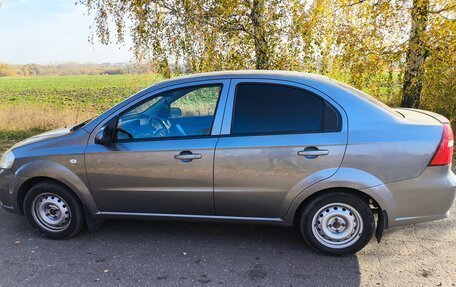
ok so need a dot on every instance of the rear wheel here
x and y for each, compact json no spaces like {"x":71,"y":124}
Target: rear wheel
{"x":53,"y":210}
{"x":337,"y":223}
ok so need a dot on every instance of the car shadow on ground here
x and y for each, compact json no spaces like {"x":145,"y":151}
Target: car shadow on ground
{"x":169,"y":254}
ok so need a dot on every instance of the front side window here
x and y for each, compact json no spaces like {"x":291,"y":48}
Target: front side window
{"x":272,"y":109}
{"x":177,"y":113}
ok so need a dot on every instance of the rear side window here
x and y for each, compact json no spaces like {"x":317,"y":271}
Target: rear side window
{"x":274,"y":109}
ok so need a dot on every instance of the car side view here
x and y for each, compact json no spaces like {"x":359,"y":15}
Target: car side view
{"x":283,"y":148}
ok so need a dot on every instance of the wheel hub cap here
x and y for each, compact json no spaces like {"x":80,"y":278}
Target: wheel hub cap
{"x":337,"y":225}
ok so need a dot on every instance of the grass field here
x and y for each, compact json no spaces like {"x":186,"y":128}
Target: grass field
{"x":44,"y":103}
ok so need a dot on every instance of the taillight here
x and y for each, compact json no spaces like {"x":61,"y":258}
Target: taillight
{"x":444,"y":154}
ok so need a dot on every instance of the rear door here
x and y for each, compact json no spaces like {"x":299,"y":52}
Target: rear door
{"x":278,"y":138}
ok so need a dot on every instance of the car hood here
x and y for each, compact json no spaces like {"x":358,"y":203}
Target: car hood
{"x":44,"y":136}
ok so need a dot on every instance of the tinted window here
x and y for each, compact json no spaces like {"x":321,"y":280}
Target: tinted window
{"x":332,"y":121}
{"x":177,"y":113}
{"x":267,"y":108}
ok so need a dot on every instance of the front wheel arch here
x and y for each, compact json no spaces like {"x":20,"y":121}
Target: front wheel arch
{"x":54,"y":210}
{"x":29,"y":183}
{"x":38,"y":170}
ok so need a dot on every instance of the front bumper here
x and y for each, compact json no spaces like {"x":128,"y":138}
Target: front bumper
{"x":424,"y":198}
{"x":6,"y":200}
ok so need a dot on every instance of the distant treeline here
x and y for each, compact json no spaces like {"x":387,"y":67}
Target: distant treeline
{"x":65,"y":69}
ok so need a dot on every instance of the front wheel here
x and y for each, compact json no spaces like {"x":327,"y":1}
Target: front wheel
{"x":53,"y":210}
{"x":337,"y":223}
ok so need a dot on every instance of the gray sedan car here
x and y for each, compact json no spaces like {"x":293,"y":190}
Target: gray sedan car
{"x":282,"y":148}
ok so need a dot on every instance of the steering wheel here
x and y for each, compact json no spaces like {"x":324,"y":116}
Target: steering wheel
{"x":163,"y":130}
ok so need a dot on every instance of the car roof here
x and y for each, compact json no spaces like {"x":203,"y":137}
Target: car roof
{"x":245,"y":74}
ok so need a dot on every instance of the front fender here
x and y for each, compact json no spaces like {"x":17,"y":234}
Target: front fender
{"x":56,"y":171}
{"x":344,"y":178}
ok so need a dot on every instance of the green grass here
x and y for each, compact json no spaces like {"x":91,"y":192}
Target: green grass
{"x":81,"y":92}
{"x":34,"y":104}
{"x":47,"y":102}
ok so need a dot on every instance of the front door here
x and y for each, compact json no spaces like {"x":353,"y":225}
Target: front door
{"x":163,"y":155}
{"x":277,"y":139}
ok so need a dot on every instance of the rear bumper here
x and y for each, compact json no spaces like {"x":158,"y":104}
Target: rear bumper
{"x":424,"y":198}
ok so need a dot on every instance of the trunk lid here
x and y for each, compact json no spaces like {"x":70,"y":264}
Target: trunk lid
{"x":422,"y":116}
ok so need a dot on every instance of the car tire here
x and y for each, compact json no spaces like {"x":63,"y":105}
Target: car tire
{"x":53,"y":210}
{"x":337,"y":223}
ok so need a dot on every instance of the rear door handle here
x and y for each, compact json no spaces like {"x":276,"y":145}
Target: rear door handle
{"x":187,"y":156}
{"x":313,"y":153}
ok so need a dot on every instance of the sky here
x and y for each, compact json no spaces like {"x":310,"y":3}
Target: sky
{"x":51,"y":32}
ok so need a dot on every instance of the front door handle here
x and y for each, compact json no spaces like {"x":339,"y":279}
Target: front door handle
{"x":187,"y":156}
{"x":313,"y":152}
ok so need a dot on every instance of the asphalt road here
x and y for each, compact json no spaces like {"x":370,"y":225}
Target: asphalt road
{"x":148,"y":253}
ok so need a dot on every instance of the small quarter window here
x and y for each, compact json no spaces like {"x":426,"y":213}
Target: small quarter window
{"x":331,"y":119}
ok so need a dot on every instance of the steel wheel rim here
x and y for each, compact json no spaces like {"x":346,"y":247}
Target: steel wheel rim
{"x":51,"y":212}
{"x":337,"y":225}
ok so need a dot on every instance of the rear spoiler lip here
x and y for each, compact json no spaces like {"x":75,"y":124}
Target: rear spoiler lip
{"x":440,"y":118}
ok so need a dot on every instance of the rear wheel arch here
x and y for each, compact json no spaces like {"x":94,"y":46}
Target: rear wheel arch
{"x":337,"y":223}
{"x":355,"y":192}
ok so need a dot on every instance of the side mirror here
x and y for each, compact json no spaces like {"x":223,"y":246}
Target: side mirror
{"x":104,"y":136}
{"x":175,"y":113}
